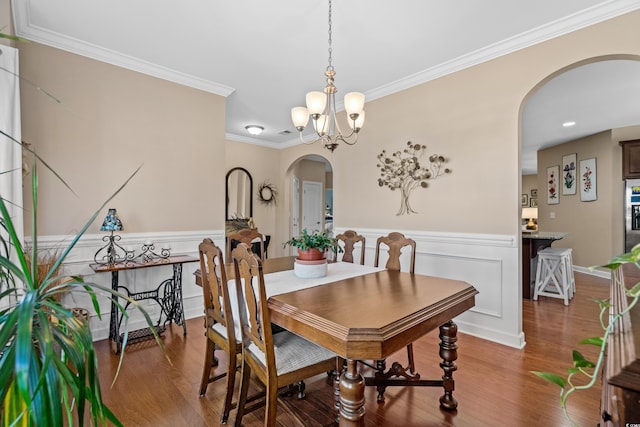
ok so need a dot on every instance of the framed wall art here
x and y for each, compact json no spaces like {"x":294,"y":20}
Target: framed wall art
{"x":533,"y":202}
{"x":525,"y":200}
{"x":552,"y":185}
{"x":569,"y":167}
{"x":588,"y":180}
{"x":534,"y":192}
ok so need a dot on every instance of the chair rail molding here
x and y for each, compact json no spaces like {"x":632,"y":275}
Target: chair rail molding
{"x":79,"y":259}
{"x":489,"y":262}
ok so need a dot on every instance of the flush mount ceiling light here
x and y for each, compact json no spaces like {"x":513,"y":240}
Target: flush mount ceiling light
{"x":321,"y":106}
{"x":568,"y":124}
{"x":254,"y":129}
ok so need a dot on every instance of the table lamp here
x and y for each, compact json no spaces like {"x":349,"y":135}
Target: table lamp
{"x":114,"y":253}
{"x":530,"y":214}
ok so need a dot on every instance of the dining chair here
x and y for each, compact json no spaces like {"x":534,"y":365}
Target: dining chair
{"x":275,"y":360}
{"x":248,"y":236}
{"x":219,"y":326}
{"x":394,"y":242}
{"x":349,"y":239}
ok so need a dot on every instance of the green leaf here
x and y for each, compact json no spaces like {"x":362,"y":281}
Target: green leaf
{"x":552,"y":378}
{"x":579,"y":360}
{"x":597,"y":341}
{"x":634,"y":291}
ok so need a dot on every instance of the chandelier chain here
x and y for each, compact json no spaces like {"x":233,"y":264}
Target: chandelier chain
{"x":330,"y":66}
{"x":321,"y":108}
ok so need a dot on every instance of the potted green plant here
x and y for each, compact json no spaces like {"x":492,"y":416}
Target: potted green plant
{"x":313,"y":246}
{"x":48,"y":362}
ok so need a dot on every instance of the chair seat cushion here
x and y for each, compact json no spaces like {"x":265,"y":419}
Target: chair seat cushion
{"x":293,"y":352}
{"x":220,"y":328}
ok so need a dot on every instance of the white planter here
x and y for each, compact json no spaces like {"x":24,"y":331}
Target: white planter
{"x":310,"y":269}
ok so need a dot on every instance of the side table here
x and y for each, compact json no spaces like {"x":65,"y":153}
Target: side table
{"x":168,"y":296}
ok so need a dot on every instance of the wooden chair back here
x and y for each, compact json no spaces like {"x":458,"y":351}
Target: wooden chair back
{"x":219,"y":324}
{"x":248,"y":236}
{"x":214,"y":287}
{"x":395,"y":242}
{"x":349,"y":238}
{"x":297,"y":358}
{"x":252,"y":302}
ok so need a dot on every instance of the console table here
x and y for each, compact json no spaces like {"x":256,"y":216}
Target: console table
{"x":168,"y":296}
{"x":532,"y":242}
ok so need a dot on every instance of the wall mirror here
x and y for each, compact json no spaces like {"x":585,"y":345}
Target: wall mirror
{"x":239,"y":194}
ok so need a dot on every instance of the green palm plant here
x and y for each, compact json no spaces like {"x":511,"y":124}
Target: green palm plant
{"x":48,"y":362}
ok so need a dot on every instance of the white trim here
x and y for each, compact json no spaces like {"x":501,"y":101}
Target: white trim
{"x":601,"y":12}
{"x":582,"y":19}
{"x":489,"y":262}
{"x":25,"y":29}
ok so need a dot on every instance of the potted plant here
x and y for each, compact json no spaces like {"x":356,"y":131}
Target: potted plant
{"x":313,"y":246}
{"x":585,"y":373}
{"x":48,"y":362}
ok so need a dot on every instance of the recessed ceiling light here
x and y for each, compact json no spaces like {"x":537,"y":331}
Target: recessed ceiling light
{"x":254,"y":129}
{"x":568,"y":124}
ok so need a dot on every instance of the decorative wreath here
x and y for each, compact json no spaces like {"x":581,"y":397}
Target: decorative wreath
{"x":267,"y":193}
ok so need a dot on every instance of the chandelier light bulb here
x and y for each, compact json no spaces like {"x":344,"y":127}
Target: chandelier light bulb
{"x":354,"y":103}
{"x":316,"y":102}
{"x":359,"y":122}
{"x":300,"y":117}
{"x":321,"y":125}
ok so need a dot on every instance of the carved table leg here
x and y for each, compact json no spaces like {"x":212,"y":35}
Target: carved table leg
{"x":351,"y":396}
{"x":381,"y":366}
{"x":449,"y":354}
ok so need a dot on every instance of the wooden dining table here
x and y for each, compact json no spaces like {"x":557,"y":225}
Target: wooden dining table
{"x":370,"y":316}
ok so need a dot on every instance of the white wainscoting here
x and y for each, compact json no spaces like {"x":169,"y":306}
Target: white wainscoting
{"x":78,"y":261}
{"x":488,"y":262}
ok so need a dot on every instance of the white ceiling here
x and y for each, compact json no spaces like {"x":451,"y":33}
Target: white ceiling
{"x":265,"y":56}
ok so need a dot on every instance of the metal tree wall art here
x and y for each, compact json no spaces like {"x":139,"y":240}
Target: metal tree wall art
{"x":404,"y":171}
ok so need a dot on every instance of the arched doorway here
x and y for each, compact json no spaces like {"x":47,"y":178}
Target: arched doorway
{"x":310,"y":187}
{"x":599,"y":94}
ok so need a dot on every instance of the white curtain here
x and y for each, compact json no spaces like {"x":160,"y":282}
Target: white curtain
{"x":10,"y":151}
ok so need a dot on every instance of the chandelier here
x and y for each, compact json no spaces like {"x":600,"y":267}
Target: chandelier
{"x":321,"y":106}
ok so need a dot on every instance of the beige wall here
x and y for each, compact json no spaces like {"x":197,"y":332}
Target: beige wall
{"x":264,"y":165}
{"x":589,"y":224}
{"x":472,"y":118}
{"x":113,"y":120}
{"x":595,"y":228}
{"x":529,"y":182}
{"x":109,"y":122}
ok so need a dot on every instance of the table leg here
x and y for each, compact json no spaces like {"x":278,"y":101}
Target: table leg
{"x":114,"y":322}
{"x":179,"y":307}
{"x":449,"y":354}
{"x":351,"y":396}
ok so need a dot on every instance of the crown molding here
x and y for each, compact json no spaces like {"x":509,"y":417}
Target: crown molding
{"x":582,"y":19}
{"x":25,"y":29}
{"x":601,"y":12}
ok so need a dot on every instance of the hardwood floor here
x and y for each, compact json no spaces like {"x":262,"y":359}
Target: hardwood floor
{"x":494,"y":386}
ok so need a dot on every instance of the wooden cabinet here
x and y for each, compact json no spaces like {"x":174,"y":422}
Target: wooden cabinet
{"x":630,"y":158}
